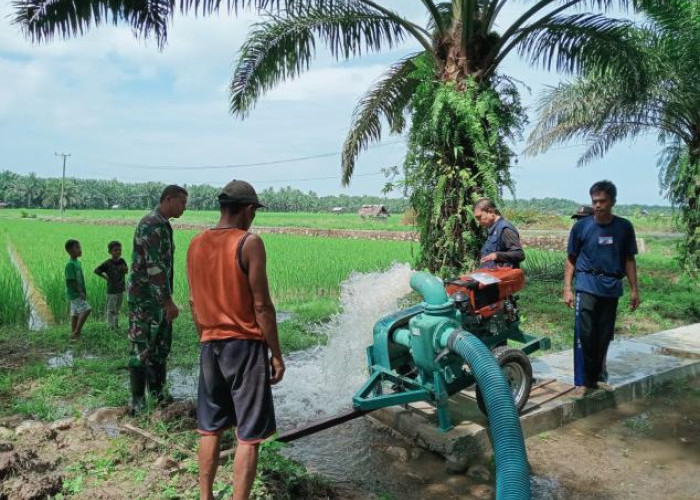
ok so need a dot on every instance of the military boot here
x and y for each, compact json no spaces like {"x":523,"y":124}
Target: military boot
{"x":137,"y":381}
{"x":159,"y":388}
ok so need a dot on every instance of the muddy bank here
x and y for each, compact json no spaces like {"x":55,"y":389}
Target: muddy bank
{"x":104,"y":455}
{"x":553,"y":240}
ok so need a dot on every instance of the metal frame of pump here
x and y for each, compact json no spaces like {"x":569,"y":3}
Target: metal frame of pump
{"x":409,"y":360}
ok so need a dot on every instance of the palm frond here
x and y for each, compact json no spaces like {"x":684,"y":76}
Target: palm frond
{"x":609,"y":135}
{"x":568,"y":111}
{"x":282,"y":47}
{"x":42,"y":20}
{"x":388,"y":99}
{"x":574,"y":42}
{"x":444,"y":15}
{"x":437,"y":18}
{"x":602,"y":111}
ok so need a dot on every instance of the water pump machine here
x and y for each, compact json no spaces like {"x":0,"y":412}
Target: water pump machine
{"x":460,"y":335}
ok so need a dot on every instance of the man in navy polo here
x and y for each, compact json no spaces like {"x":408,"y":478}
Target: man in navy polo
{"x":601,"y":252}
{"x":502,"y":247}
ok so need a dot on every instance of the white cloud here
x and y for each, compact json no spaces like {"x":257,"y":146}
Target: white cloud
{"x":329,"y":83}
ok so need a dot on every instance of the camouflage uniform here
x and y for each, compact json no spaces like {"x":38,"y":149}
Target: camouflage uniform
{"x":150,"y":284}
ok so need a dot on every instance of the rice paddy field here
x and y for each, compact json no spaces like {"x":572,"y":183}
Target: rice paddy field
{"x":302,"y":270}
{"x":13,"y":307}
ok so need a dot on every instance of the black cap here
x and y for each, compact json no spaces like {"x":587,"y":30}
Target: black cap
{"x":239,"y":193}
{"x":583,"y":211}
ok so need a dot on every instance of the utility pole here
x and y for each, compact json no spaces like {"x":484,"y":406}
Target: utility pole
{"x":63,"y":179}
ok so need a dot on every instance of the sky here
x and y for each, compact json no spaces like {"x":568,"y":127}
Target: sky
{"x":126,"y":110}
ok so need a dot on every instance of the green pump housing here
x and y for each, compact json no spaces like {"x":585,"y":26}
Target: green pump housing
{"x":412,"y":360}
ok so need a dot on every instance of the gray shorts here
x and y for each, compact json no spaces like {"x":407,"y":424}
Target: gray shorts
{"x":234,"y":390}
{"x":78,"y":306}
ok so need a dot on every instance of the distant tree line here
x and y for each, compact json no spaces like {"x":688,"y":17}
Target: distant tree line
{"x":561,"y":206}
{"x":30,"y":191}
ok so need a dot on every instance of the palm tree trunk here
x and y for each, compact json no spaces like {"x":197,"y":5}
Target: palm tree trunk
{"x":692,"y":213}
{"x":458,"y":156}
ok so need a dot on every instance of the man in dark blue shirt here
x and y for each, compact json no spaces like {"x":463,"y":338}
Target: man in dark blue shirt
{"x":600,"y":253}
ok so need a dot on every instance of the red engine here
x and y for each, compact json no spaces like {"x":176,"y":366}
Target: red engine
{"x":486,"y":289}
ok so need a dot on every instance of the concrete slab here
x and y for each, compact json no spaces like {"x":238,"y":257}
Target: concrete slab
{"x":635,"y":367}
{"x":683,"y":341}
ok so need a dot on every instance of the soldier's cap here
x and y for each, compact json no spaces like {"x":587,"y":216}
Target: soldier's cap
{"x":239,"y":193}
{"x":583,"y":211}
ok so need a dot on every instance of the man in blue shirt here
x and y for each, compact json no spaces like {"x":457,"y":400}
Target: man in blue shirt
{"x":600,"y":253}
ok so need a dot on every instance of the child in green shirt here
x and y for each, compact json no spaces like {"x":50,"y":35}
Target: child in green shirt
{"x":75,"y":289}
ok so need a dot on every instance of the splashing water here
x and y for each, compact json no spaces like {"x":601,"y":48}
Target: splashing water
{"x":322,"y":381}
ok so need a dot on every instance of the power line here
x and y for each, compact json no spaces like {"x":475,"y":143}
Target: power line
{"x":314,"y":178}
{"x":239,"y":165}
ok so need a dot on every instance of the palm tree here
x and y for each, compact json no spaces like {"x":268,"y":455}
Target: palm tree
{"x":605,"y":107}
{"x":463,"y":112}
{"x":27,"y":191}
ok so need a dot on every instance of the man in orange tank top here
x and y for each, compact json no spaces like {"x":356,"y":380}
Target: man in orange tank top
{"x":235,"y":319}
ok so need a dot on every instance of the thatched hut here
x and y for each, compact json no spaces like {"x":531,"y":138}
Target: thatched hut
{"x":373,"y":211}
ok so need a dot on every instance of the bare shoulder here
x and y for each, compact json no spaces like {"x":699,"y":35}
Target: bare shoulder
{"x":254,"y":245}
{"x":254,"y":240}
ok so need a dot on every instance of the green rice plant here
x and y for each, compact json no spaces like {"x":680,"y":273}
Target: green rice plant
{"x":544,"y":265}
{"x":13,"y":306}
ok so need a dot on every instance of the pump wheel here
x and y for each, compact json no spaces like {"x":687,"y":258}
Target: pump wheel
{"x":518,"y":372}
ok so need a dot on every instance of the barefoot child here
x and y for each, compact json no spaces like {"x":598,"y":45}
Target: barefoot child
{"x":114,"y":271}
{"x":75,"y":289}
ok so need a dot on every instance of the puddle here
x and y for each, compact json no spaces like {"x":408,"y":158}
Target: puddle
{"x":283,"y":316}
{"x":546,"y":488}
{"x":65,"y":359}
{"x":60,"y":361}
{"x":627,"y":361}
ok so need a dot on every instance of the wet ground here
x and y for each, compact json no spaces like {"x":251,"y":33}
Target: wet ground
{"x":647,"y":450}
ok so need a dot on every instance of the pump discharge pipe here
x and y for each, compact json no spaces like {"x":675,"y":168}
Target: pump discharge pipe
{"x":512,"y":469}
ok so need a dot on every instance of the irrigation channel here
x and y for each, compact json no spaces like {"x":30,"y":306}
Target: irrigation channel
{"x":321,"y":382}
{"x":39,"y":314}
